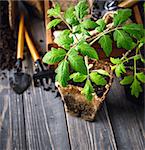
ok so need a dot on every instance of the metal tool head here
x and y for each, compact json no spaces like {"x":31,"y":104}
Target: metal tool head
{"x":41,"y":79}
{"x":20,"y":82}
{"x":111,"y":5}
{"x":41,"y":76}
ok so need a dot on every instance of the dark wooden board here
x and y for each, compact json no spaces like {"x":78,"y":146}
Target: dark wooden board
{"x":126,"y":119}
{"x":44,"y":114}
{"x":36,"y":120}
{"x":12,"y":128}
{"x":45,"y":120}
{"x":95,"y":135}
{"x":4,"y":112}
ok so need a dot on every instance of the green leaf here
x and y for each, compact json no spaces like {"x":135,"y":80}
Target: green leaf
{"x":135,"y":30}
{"x":81,"y":9}
{"x":53,"y":56}
{"x":127,"y":80}
{"x":77,"y":63}
{"x":121,"y":16}
{"x":54,"y":11}
{"x":120,"y":69}
{"x":101,"y":24}
{"x":73,"y":52}
{"x":86,"y":49}
{"x":106,"y":44}
{"x":115,"y":60}
{"x":142,"y":40}
{"x":64,"y":40}
{"x":70,"y":16}
{"x":53,"y":23}
{"x":88,"y":90}
{"x":88,"y":24}
{"x":84,"y":31}
{"x":77,"y":29}
{"x":63,"y":73}
{"x":113,"y":67}
{"x":78,"y":77}
{"x":102,"y":72}
{"x":123,"y":40}
{"x":98,"y":79}
{"x":141,"y":77}
{"x":136,"y":88}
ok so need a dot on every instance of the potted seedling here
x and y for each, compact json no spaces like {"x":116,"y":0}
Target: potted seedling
{"x":84,"y":80}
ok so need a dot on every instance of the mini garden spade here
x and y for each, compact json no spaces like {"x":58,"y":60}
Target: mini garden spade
{"x":41,"y":75}
{"x":20,"y":81}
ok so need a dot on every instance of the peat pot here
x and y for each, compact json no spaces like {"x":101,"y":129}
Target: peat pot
{"x":76,"y":103}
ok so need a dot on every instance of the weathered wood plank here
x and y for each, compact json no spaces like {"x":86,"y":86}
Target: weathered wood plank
{"x":45,"y":120}
{"x":91,"y":136}
{"x":12,"y":129}
{"x":44,"y":114}
{"x":126,"y":118}
{"x":4,"y":111}
{"x":37,"y":31}
{"x":17,"y":121}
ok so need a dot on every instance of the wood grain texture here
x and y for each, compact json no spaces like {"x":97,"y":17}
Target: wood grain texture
{"x":4,"y":112}
{"x":45,"y":122}
{"x":12,"y":128}
{"x":126,"y":119}
{"x":97,"y":135}
{"x":45,"y":119}
{"x":36,"y":120}
{"x":36,"y":30}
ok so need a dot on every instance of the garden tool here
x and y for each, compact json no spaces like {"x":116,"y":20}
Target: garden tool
{"x":41,"y":75}
{"x":20,"y":80}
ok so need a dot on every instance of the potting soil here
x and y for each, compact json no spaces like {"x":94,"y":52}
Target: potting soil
{"x":7,"y":40}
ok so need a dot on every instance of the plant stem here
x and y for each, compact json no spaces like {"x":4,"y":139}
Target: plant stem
{"x":65,"y":22}
{"x":134,"y":68}
{"x":126,"y":54}
{"x":70,"y":50}
{"x":137,"y":50}
{"x":103,"y":33}
{"x":87,"y":66}
{"x":130,"y":58}
{"x":67,"y":26}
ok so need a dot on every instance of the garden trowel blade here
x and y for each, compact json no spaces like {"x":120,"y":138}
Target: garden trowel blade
{"x":20,"y":82}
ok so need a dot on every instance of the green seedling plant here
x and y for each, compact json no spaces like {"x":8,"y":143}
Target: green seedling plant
{"x":75,"y":48}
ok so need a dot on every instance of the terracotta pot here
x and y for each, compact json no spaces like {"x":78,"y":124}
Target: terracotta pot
{"x":76,"y":103}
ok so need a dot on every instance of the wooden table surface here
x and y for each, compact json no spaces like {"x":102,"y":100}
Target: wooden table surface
{"x":37,"y":119}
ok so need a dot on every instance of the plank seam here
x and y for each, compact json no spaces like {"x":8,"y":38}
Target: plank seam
{"x":110,"y":124}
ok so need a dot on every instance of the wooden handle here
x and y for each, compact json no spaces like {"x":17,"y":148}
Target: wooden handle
{"x":49,"y":39}
{"x":31,"y":47}
{"x":20,"y":44}
{"x":137,"y":15}
{"x":127,"y":3}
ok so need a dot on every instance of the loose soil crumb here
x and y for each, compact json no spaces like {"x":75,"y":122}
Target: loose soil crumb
{"x":7,"y":40}
{"x":3,"y":75}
